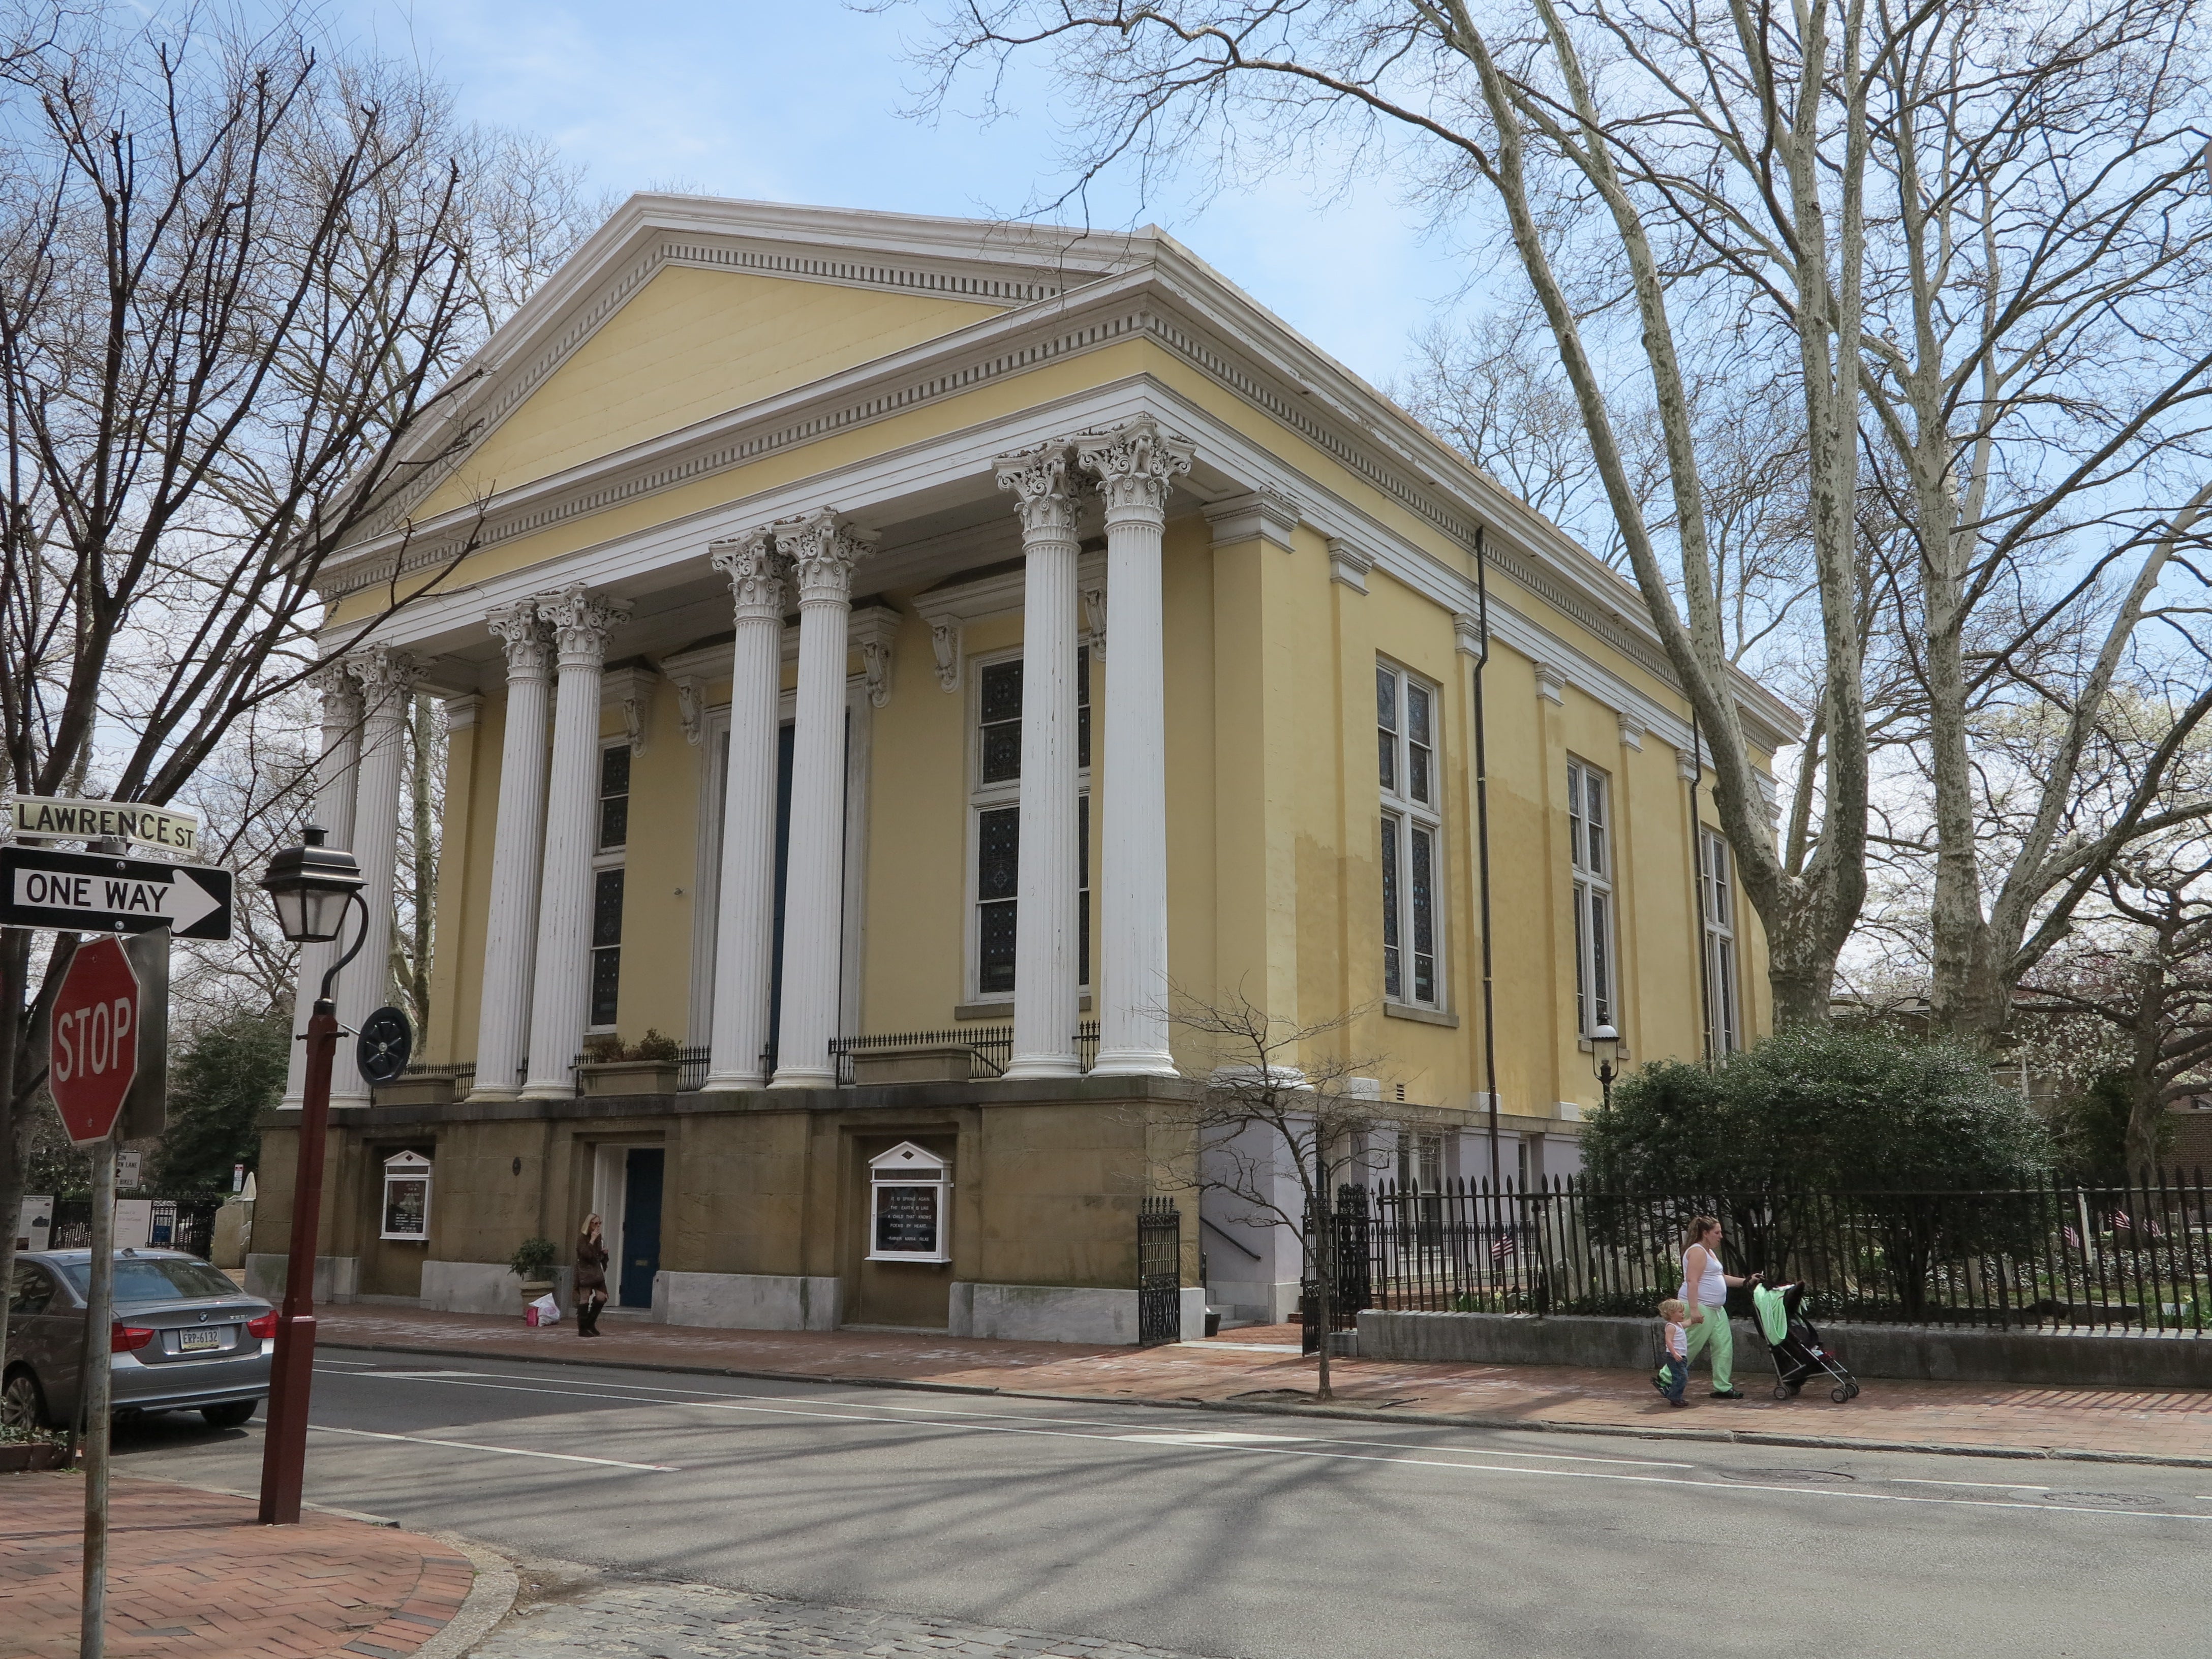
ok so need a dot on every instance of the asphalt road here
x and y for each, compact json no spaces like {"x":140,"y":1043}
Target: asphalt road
{"x":1252,"y":1536}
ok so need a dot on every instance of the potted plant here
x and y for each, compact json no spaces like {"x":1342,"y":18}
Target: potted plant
{"x":24,"y":1447}
{"x":532,"y":1263}
{"x":647,"y":1066}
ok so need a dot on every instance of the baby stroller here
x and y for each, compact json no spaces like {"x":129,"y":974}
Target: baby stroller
{"x":1796,"y":1345}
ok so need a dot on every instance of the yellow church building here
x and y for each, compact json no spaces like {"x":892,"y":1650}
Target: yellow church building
{"x":898,"y":659}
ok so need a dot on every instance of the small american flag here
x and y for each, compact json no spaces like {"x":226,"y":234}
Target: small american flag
{"x":2120,"y":1222}
{"x":2073,"y":1238}
{"x":1501,"y":1246}
{"x":2153,"y":1229}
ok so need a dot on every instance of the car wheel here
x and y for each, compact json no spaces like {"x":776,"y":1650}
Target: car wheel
{"x":231,"y":1414}
{"x":22,"y":1403}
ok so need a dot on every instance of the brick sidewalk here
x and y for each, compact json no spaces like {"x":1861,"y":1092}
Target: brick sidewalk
{"x":190,"y":1573}
{"x":1239,"y":1368}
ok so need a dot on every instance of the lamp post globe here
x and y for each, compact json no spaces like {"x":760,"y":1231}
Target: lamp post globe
{"x":1605,"y":1043}
{"x":311,"y":885}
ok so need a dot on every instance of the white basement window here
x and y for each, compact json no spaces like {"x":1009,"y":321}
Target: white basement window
{"x":909,"y":1217}
{"x":407,"y":1197}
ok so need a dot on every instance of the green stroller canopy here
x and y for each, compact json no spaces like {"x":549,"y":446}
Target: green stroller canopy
{"x":1773,"y":1316}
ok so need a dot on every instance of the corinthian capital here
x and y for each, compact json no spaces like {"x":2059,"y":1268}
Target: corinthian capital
{"x":823,"y":552}
{"x":1046,"y":488}
{"x":755,"y":573}
{"x":581,"y":620}
{"x":1135,"y":465}
{"x":521,"y":632}
{"x":341,"y":692}
{"x":387,"y":677}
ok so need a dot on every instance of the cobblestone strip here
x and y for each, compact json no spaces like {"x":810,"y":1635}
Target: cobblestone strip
{"x":695,"y":1621}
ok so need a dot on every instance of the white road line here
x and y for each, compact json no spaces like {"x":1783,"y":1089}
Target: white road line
{"x":1360,"y":1457}
{"x":510,"y":1451}
{"x":690,"y":1396}
{"x":1995,"y":1486}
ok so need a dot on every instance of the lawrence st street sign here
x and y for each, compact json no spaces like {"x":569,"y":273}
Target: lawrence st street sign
{"x":161,"y":827}
{"x":99,"y":893}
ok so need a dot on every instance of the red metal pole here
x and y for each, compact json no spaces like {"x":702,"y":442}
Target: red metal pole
{"x":284,"y":1447}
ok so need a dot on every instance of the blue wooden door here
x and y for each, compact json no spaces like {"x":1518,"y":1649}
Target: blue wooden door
{"x":641,"y":1239}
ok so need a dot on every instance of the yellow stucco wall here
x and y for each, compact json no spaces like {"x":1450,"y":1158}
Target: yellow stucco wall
{"x":1272,"y":873}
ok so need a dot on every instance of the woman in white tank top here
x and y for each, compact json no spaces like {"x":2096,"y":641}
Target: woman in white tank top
{"x":1705,"y":1289}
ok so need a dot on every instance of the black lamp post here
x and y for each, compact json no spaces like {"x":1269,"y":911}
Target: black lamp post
{"x":1605,"y":1043}
{"x":313,"y":886}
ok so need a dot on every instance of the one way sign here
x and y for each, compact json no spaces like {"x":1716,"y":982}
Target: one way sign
{"x":98,"y":893}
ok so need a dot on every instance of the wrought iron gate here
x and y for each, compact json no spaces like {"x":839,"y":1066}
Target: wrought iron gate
{"x":1348,"y":1227}
{"x":1159,"y":1272}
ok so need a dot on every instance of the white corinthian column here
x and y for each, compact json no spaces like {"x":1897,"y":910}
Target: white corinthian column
{"x":336,"y":773}
{"x":823,"y":553}
{"x":580,"y":622}
{"x":745,"y":925}
{"x":1135,"y":466}
{"x":1045,"y":922}
{"x":517,"y":845}
{"x":387,"y":679}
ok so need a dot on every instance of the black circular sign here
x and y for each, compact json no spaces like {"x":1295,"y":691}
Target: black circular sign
{"x":386,"y":1040}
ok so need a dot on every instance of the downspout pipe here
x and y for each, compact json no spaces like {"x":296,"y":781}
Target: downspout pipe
{"x":1482,"y":848}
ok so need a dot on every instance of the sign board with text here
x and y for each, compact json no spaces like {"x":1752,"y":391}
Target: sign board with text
{"x":101,"y":893}
{"x":164,"y":827}
{"x":92,"y":1052}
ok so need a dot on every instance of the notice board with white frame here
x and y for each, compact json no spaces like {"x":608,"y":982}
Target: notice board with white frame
{"x":909,"y":1206}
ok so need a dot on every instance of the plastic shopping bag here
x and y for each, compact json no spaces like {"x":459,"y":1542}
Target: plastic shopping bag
{"x":544,"y":1311}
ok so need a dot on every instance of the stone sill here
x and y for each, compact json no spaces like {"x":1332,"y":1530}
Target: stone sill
{"x":1425,"y":1016}
{"x":1003,"y":1008}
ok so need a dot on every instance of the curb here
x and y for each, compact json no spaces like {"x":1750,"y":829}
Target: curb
{"x":1350,"y":1414}
{"x":490,"y":1598}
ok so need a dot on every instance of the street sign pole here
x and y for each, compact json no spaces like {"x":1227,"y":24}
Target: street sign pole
{"x":98,"y":1322}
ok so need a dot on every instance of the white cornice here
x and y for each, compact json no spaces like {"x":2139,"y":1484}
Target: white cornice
{"x":1161,"y":293}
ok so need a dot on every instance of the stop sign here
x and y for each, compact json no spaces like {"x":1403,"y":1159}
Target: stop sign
{"x":93,"y":1053}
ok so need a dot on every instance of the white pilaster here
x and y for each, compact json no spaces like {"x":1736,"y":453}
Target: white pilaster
{"x":1135,"y":466}
{"x":336,"y":770}
{"x":580,"y":622}
{"x":745,"y":926}
{"x":518,"y":849}
{"x":388,"y":678}
{"x":1045,"y":922}
{"x":821,"y":553}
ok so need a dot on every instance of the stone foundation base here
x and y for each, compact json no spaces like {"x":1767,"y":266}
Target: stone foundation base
{"x":1059,"y":1313}
{"x":337,"y":1277}
{"x":748,"y":1301}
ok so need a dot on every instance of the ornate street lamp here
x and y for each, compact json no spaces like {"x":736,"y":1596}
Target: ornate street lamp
{"x":313,"y":886}
{"x":1605,"y":1043}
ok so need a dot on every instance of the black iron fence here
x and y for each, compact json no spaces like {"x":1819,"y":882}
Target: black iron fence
{"x":1159,"y":1272}
{"x":2060,"y":1256}
{"x":172,"y":1224}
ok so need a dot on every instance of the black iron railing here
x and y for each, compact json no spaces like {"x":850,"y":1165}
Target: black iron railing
{"x":2125,"y":1257}
{"x":173,"y":1224}
{"x":464,"y":1074}
{"x":993,"y":1046}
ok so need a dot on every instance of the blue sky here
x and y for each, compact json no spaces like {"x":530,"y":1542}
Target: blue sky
{"x":799,"y":100}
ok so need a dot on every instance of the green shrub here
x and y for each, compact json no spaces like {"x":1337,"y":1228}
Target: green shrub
{"x":533,"y":1259}
{"x":1839,"y":1106}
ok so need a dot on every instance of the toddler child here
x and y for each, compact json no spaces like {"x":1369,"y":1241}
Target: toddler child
{"x":1676,"y":1313}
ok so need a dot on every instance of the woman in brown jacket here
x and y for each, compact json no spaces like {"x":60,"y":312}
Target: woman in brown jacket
{"x":591,"y":1277}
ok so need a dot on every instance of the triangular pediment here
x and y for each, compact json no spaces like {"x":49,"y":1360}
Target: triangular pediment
{"x":684,"y":308}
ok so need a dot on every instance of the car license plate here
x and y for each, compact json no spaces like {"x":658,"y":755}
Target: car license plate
{"x":194,"y":1341}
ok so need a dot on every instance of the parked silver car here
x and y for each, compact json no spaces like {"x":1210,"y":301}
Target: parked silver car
{"x":185,"y":1339}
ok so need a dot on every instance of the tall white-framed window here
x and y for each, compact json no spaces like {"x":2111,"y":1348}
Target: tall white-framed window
{"x":1716,"y":880}
{"x":1589,"y":842}
{"x":1405,"y":710}
{"x":610,"y":838}
{"x":995,"y":821}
